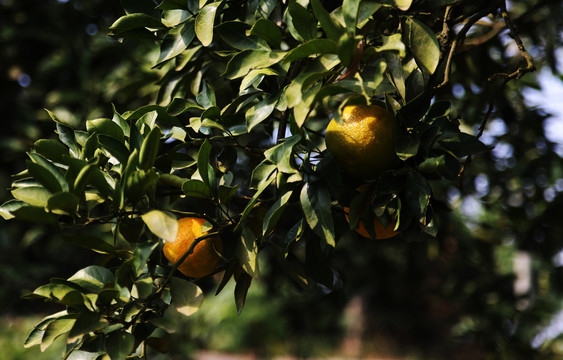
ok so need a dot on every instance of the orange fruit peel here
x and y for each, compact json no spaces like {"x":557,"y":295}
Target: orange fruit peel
{"x":364,"y":143}
{"x":205,"y":257}
{"x":381,"y":231}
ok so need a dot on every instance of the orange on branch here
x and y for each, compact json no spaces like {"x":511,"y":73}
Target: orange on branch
{"x":381,"y":231}
{"x":364,"y":143}
{"x":204,"y":259}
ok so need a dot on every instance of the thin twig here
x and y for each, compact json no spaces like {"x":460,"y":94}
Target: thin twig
{"x":482,"y":127}
{"x":521,"y":71}
{"x":460,"y":37}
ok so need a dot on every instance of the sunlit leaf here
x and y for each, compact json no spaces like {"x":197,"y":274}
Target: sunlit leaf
{"x":259,"y":112}
{"x":162,"y":224}
{"x":239,"y":35}
{"x":328,"y":24}
{"x":423,"y":44}
{"x":119,"y":344}
{"x":267,"y":30}
{"x":247,"y":60}
{"x":93,"y":278}
{"x":247,"y":252}
{"x":403,"y":5}
{"x":176,"y":41}
{"x":311,"y":47}
{"x":32,"y":195}
{"x":186,"y":296}
{"x":300,"y":22}
{"x":204,"y":23}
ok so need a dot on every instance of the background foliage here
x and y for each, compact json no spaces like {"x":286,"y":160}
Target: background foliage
{"x":200,"y":93}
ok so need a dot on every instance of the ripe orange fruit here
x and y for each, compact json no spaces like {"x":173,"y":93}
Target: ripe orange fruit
{"x":381,"y":232}
{"x":204,"y":259}
{"x":364,"y":143}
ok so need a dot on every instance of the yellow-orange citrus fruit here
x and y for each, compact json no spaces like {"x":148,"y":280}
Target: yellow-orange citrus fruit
{"x":364,"y":143}
{"x":381,"y":232}
{"x":204,"y":259}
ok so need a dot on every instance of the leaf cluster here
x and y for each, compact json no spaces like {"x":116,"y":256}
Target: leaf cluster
{"x":236,"y":137}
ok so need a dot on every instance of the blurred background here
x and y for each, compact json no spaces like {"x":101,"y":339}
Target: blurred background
{"x":490,"y":285}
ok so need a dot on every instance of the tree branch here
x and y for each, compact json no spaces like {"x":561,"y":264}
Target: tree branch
{"x":459,"y":39}
{"x":521,"y":71}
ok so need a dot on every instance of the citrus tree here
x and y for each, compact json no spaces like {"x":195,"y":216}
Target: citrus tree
{"x":230,"y":160}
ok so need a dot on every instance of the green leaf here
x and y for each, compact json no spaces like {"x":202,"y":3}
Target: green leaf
{"x":34,"y":214}
{"x":350,"y":14}
{"x":93,"y":278}
{"x":138,"y":182}
{"x":330,"y":26}
{"x":105,"y":127}
{"x":37,"y":333}
{"x":301,"y":23}
{"x":395,"y":70}
{"x":301,"y":110}
{"x":134,"y":21}
{"x":83,"y":179}
{"x":204,"y":23}
{"x":274,"y":213}
{"x":260,"y":112}
{"x":162,"y":224}
{"x":253,"y":78}
{"x":403,"y":5}
{"x":149,"y":149}
{"x":311,"y":47}
{"x":247,"y":60}
{"x":56,"y":328}
{"x":418,"y":193}
{"x":315,"y":201}
{"x":120,"y":344}
{"x":407,"y":147}
{"x":432,"y":165}
{"x":366,"y":10}
{"x":186,"y":296}
{"x":46,"y":173}
{"x":179,"y":106}
{"x":262,"y":185}
{"x":141,"y":256}
{"x":161,"y":114}
{"x":204,"y":167}
{"x":32,"y":195}
{"x":116,"y":148}
{"x":393,"y":43}
{"x":176,"y":41}
{"x":463,"y":144}
{"x":9,"y":206}
{"x":196,"y":188}
{"x":247,"y":252}
{"x":206,"y":98}
{"x":63,"y":203}
{"x":67,"y":137}
{"x":347,"y":46}
{"x":438,"y":109}
{"x":87,"y":322}
{"x":282,"y":154}
{"x":226,"y":193}
{"x":241,"y":290}
{"x":51,"y":149}
{"x":238,"y":35}
{"x":80,"y":176}
{"x":423,"y":44}
{"x":267,"y":30}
